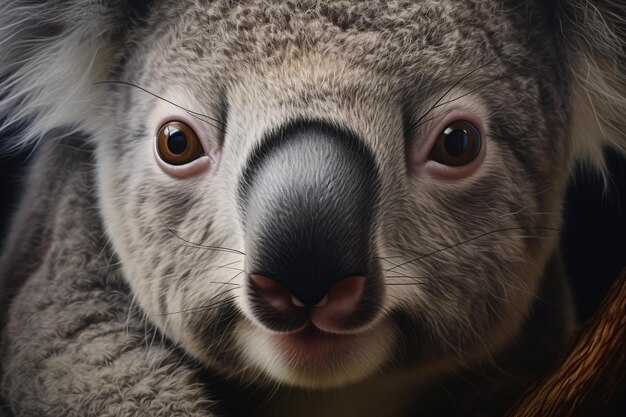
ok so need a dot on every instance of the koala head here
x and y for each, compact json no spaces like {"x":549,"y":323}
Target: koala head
{"x":318,"y":192}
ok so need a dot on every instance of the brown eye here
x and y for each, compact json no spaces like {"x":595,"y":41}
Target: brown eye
{"x":458,"y":144}
{"x":178,"y":144}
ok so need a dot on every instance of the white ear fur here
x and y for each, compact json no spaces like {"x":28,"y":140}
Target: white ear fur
{"x":51,"y":53}
{"x":595,"y":32}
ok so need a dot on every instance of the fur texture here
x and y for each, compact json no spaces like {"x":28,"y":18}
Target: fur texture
{"x":118,"y":295}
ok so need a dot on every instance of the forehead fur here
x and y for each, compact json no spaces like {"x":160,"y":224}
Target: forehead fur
{"x":407,"y":40}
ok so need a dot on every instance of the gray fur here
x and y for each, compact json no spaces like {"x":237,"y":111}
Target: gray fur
{"x":111,"y":263}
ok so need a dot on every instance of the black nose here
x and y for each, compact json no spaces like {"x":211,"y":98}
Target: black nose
{"x":308,"y":196}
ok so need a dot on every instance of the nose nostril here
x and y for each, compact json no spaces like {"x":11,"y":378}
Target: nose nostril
{"x":272,"y":293}
{"x":341,"y":310}
{"x":340,"y":304}
{"x":263,"y":283}
{"x":323,"y":302}
{"x":346,"y":294}
{"x":297,"y":302}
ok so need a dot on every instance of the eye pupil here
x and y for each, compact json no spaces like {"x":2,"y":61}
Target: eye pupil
{"x":456,"y":141}
{"x":176,"y":141}
{"x":457,"y":145}
{"x":178,"y":144}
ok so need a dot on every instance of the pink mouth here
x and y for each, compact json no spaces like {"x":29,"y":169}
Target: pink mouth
{"x":312,"y":346}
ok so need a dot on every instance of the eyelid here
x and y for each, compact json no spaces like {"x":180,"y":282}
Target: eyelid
{"x":430,"y":131}
{"x":424,"y":139}
{"x":210,"y":139}
{"x":208,"y":135}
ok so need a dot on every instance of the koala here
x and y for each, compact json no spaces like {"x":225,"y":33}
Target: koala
{"x":278,"y":208}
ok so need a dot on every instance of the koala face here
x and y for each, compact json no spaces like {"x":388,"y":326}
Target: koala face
{"x":318,"y":193}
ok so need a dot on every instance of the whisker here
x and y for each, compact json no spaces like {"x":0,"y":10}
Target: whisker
{"x":420,"y":123}
{"x":232,"y":268}
{"x":467,"y":241}
{"x":483,"y":85}
{"x":423,"y":276}
{"x":193,"y":245}
{"x":396,"y":298}
{"x":192,"y":113}
{"x":229,"y":264}
{"x":218,"y":304}
{"x":209,"y":304}
{"x":207,"y":307}
{"x":199,"y":245}
{"x":235,"y":276}
{"x":459,"y":81}
{"x":439,"y":115}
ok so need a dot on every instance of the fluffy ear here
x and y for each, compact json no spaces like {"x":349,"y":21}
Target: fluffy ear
{"x":51,"y":52}
{"x":594,"y":34}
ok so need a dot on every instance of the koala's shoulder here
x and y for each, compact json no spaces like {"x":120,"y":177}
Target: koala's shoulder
{"x":59,"y":182}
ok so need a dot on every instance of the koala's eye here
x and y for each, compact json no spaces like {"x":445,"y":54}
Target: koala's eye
{"x":178,"y":144}
{"x":458,"y":144}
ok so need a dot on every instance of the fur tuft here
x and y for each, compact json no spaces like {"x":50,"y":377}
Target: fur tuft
{"x":596,"y":36}
{"x":50,"y":55}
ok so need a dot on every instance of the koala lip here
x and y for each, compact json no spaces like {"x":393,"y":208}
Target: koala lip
{"x":312,"y":346}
